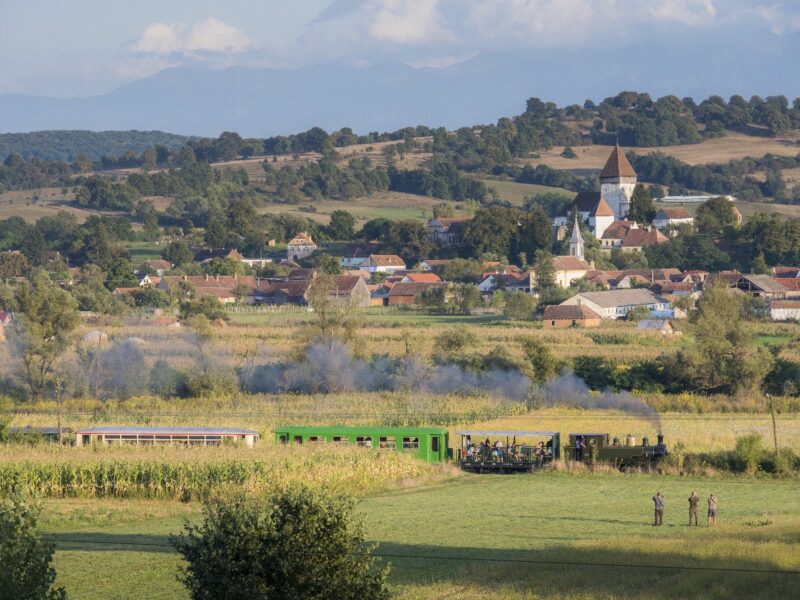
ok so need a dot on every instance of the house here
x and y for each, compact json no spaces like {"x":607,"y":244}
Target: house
{"x":228,"y":289}
{"x":157,"y":266}
{"x":637,"y":239}
{"x":663,"y":327}
{"x":379,"y":293}
{"x":569,"y":269}
{"x":421,"y":277}
{"x":511,"y":282}
{"x":667,"y":217}
{"x":560,"y":316}
{"x":300,"y":246}
{"x":786,"y":272}
{"x":284,"y":292}
{"x":149,"y":281}
{"x":792,"y":286}
{"x":446,"y":231}
{"x":433,"y":264}
{"x":673,"y":288}
{"x":615,"y":304}
{"x":784,"y":310}
{"x":383,"y":263}
{"x":409,"y":293}
{"x":350,"y":290}
{"x":615,"y":234}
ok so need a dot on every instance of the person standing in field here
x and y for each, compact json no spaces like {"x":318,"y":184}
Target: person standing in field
{"x":658,"y":500}
{"x":712,"y":509}
{"x":693,"y":500}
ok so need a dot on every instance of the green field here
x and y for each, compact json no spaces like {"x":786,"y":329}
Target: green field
{"x":530,"y":536}
{"x":516,"y":193}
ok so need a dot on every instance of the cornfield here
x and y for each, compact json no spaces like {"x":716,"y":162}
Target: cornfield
{"x":194,"y":474}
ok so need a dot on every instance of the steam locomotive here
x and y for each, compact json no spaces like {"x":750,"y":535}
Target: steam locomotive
{"x":628,"y":452}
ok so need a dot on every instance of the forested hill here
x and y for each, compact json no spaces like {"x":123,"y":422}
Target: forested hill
{"x":65,"y":145}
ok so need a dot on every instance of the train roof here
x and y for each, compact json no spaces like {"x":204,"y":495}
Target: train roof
{"x":39,"y":430}
{"x":166,"y":431}
{"x":514,"y":433}
{"x":332,"y":429}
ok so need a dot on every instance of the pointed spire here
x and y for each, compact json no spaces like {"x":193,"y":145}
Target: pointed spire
{"x":576,"y":240}
{"x":617,"y":165}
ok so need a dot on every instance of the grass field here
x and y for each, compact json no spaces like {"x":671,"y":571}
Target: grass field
{"x":516,"y":193}
{"x":487,"y":537}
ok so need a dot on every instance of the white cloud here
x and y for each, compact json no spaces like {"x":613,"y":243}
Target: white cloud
{"x":406,"y":21}
{"x":693,"y":13}
{"x":210,"y":35}
{"x":780,"y":17}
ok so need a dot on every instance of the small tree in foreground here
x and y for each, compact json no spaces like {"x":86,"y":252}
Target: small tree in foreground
{"x":25,"y":569}
{"x":297,"y":543}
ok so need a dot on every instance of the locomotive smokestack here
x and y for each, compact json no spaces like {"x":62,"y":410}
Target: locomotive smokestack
{"x":660,"y":439}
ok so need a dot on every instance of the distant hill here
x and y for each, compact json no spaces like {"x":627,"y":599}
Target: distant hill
{"x":261,"y":102}
{"x":67,"y":144}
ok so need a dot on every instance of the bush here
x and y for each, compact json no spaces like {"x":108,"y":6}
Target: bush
{"x":520,"y":306}
{"x":454,"y":340}
{"x":166,"y":381}
{"x":26,"y":572}
{"x":206,"y":384}
{"x":297,"y":543}
{"x":749,"y":452}
{"x":610,"y":338}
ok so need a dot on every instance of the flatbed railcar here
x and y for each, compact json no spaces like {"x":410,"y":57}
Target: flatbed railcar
{"x":426,"y":443}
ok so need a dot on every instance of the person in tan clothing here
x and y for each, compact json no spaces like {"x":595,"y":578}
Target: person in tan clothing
{"x":658,"y":500}
{"x":712,"y":509}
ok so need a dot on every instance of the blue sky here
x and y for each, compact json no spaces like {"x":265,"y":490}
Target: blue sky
{"x":84,"y":47}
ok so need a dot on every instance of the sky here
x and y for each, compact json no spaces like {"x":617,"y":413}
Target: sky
{"x":85,"y":47}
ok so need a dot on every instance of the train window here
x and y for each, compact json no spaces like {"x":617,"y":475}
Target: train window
{"x":434,"y":444}
{"x":365,"y":441}
{"x":283,"y":438}
{"x":387,"y":442}
{"x":340,"y":439}
{"x":410,"y":443}
{"x":298,"y":439}
{"x":319,"y":439}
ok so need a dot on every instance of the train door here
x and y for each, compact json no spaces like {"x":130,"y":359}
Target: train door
{"x":436,"y":449}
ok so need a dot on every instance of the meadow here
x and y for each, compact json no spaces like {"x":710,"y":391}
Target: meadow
{"x":557,"y":535}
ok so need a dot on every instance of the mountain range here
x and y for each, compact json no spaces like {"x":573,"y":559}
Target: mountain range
{"x":261,"y":102}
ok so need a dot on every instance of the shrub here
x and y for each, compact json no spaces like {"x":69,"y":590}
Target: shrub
{"x":454,"y":340}
{"x":610,"y":338}
{"x":296,"y":543}
{"x":748,"y":452}
{"x":166,"y":381}
{"x":26,"y":572}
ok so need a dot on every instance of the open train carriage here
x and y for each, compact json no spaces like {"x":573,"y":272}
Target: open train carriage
{"x":506,"y":451}
{"x":625,"y":452}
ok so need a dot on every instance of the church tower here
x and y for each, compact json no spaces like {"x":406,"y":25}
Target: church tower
{"x":617,"y":180}
{"x":576,"y":240}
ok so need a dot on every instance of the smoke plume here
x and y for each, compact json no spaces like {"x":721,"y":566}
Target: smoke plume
{"x":329,"y":367}
{"x":570,"y":390}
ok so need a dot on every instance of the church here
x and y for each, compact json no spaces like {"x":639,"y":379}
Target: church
{"x":599,"y":210}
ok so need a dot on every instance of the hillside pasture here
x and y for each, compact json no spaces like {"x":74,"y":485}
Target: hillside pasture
{"x":517,"y":193}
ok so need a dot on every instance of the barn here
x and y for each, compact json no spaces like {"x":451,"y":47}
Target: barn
{"x":159,"y":436}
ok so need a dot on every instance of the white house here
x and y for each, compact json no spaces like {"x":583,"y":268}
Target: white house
{"x":300,"y":246}
{"x":671,"y":216}
{"x":784,"y":310}
{"x":569,"y":269}
{"x":446,"y":231}
{"x":383,"y":263}
{"x":615,"y":304}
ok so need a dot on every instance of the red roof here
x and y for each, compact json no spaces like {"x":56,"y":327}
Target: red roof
{"x":386,"y":260}
{"x":790,"y":283}
{"x":570,"y":263}
{"x":617,"y":165}
{"x":675,"y":213}
{"x":423,"y":277}
{"x":603,"y":209}
{"x":568,"y":312}
{"x":617,"y":230}
{"x":637,"y":238}
{"x":413,"y":288}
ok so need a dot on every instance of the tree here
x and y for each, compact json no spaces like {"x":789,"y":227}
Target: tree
{"x":714,"y":215}
{"x":493,"y":230}
{"x":545,"y":272}
{"x":723,"y":357}
{"x":329,"y":265}
{"x":46,"y":316}
{"x":27,"y":572}
{"x":13,"y":264}
{"x":542,"y":364}
{"x":119,"y":273}
{"x":335,"y":318}
{"x":342,"y":225}
{"x":643,"y":209}
{"x":178,"y":253}
{"x":409,"y":239}
{"x":467,"y":297}
{"x":520,"y":306}
{"x":90,"y":291}
{"x":297,"y":543}
{"x":207,"y":306}
{"x":216,"y":234}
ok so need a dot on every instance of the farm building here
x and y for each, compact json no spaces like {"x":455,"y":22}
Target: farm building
{"x":409,"y":293}
{"x":228,"y":289}
{"x":615,"y":304}
{"x":149,"y":436}
{"x":560,"y":316}
{"x":784,"y":310}
{"x":48,"y":434}
{"x":672,"y":216}
{"x":383,"y":263}
{"x":446,"y":231}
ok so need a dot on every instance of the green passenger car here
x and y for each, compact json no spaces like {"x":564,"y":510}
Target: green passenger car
{"x":426,"y":443}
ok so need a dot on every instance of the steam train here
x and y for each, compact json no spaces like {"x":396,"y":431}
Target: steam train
{"x":589,"y":447}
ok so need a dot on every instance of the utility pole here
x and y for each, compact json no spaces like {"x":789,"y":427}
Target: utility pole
{"x":774,"y":426}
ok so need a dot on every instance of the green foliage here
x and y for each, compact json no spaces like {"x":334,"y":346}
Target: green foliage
{"x":207,"y":306}
{"x":520,"y":306}
{"x":749,"y":451}
{"x":545,"y":272}
{"x":27,"y":573}
{"x":453,"y":341}
{"x":46,"y":316}
{"x":609,"y":338}
{"x":166,"y":381}
{"x":409,"y":240}
{"x":542,"y":365}
{"x":637,"y":314}
{"x":642,"y":209}
{"x":715,"y":215}
{"x":342,"y":225}
{"x":462,"y":270}
{"x":327,"y":264}
{"x":178,"y":253}
{"x":311,"y":535}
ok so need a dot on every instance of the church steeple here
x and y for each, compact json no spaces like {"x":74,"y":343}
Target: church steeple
{"x":576,"y":240}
